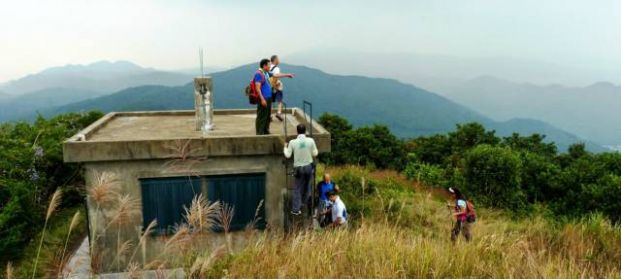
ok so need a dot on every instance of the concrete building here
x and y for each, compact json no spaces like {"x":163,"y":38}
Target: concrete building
{"x":162,"y":159}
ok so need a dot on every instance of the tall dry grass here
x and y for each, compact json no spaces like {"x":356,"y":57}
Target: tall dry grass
{"x":51,"y":208}
{"x":75,"y":220}
{"x":405,"y":233}
{"x":500,"y":249}
{"x":9,"y":271}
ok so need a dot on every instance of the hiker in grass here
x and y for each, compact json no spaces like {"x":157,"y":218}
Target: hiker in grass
{"x":264,"y":90}
{"x":304,"y":151}
{"x":339,"y":211}
{"x":459,"y":211}
{"x":323,"y":206}
{"x":277,"y":86}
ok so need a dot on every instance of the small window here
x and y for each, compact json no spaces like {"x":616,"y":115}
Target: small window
{"x":164,"y":199}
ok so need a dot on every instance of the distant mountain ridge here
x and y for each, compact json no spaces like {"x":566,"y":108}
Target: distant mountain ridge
{"x":591,"y":111}
{"x":102,"y":76}
{"x":25,"y":105}
{"x":409,"y":111}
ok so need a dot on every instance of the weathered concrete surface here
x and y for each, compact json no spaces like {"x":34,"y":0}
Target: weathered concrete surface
{"x":149,"y":135}
{"x":79,"y":265}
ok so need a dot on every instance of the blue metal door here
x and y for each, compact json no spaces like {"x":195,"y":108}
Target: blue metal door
{"x":244,"y":193}
{"x":163,"y":200}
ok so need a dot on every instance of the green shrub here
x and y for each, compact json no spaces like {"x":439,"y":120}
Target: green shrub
{"x":493,"y":176}
{"x":430,"y":175}
{"x":31,"y":169}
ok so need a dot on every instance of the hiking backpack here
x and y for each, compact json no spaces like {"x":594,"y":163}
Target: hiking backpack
{"x":273,"y":80}
{"x":471,"y":214}
{"x":251,"y":90}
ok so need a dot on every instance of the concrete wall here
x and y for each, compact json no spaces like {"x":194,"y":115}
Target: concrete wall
{"x":110,"y":236}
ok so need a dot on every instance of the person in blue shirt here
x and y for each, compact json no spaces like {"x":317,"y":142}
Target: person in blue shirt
{"x":323,"y":206}
{"x":264,"y":106}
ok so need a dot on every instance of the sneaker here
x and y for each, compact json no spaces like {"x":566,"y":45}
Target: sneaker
{"x":296,"y":212}
{"x":279,"y":116}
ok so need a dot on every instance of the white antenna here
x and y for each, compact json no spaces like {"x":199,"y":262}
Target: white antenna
{"x":200,"y":55}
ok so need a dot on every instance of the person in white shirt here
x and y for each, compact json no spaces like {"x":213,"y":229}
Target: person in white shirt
{"x":339,"y":211}
{"x":304,"y":150}
{"x":277,"y":86}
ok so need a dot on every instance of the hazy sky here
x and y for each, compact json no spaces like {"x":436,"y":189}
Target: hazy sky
{"x":36,"y":34}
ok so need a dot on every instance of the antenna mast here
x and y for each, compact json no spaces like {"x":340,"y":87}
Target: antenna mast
{"x":200,"y":55}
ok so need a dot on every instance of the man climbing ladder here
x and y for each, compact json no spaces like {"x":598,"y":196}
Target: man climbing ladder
{"x":304,"y":151}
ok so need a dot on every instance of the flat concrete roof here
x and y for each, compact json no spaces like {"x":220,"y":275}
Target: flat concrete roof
{"x":150,"y":135}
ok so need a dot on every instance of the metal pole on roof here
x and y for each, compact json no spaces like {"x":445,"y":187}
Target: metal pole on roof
{"x":200,"y":55}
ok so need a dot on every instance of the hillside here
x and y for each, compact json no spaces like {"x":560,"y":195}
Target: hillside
{"x":405,"y":234}
{"x":409,"y":111}
{"x":24,"y":105}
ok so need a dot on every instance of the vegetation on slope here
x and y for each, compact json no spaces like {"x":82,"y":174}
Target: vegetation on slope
{"x":517,"y":173}
{"x":405,"y":234}
{"x":31,"y":170}
{"x":399,"y":222}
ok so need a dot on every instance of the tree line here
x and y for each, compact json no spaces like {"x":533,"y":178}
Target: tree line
{"x":518,"y":173}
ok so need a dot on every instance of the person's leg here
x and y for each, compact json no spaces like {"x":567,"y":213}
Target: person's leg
{"x":321,"y":209}
{"x":296,"y":201}
{"x":268,"y":116}
{"x":455,"y":231}
{"x":263,"y":117}
{"x":279,"y":97}
{"x":308,"y":174}
{"x":467,"y":231}
{"x":258,"y":122}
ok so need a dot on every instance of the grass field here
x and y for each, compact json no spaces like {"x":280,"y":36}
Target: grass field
{"x":398,"y":229}
{"x":405,"y":234}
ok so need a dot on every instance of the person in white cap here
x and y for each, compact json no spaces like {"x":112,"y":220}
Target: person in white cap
{"x":463,"y":212}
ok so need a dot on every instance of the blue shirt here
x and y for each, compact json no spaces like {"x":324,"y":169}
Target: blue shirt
{"x":324,"y":188}
{"x":266,"y":89}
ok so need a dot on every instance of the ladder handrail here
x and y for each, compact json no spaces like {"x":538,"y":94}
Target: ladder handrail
{"x":310,"y":121}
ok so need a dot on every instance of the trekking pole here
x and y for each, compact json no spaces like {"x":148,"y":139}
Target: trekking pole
{"x":451,"y":216}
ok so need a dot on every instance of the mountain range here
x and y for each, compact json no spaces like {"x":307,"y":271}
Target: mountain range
{"x":408,"y":110}
{"x":501,"y":88}
{"x":103,"y":76}
{"x":590,"y":111}
{"x":62,"y":85}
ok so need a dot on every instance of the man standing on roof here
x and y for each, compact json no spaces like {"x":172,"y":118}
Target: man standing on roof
{"x":304,"y":151}
{"x":277,"y":87}
{"x":264,"y":90}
